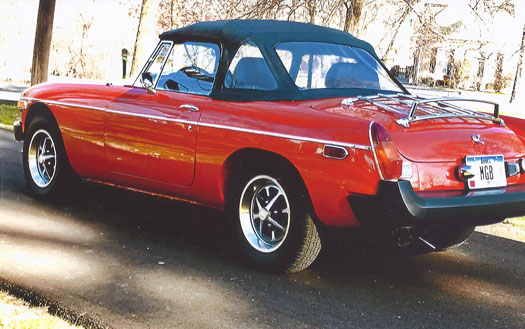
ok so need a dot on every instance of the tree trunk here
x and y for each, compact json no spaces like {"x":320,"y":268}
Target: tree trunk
{"x":312,"y":8}
{"x":176,"y":13}
{"x":42,"y":45}
{"x":415,"y":72}
{"x":146,"y":37}
{"x":518,"y":67}
{"x":353,"y":10}
{"x":498,"y":76}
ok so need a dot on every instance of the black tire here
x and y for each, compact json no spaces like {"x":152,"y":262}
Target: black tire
{"x":282,"y":238}
{"x":47,"y":171}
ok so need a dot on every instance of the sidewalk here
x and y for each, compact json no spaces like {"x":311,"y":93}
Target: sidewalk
{"x":11,"y":91}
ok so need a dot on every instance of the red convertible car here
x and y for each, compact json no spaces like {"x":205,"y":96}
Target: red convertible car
{"x":290,"y":128}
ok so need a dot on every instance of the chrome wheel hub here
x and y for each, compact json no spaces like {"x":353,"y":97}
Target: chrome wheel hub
{"x":41,"y":158}
{"x":264,"y":212}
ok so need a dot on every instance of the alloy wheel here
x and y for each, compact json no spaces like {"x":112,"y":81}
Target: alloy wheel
{"x":264,"y":212}
{"x":42,"y":158}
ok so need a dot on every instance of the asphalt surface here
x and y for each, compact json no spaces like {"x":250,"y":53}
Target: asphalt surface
{"x":134,"y":261}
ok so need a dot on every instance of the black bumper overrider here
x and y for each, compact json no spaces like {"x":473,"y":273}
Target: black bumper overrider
{"x":17,"y":130}
{"x":397,"y":202}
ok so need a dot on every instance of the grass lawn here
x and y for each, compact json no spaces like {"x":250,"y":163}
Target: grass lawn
{"x":16,"y":314}
{"x":8,"y":113}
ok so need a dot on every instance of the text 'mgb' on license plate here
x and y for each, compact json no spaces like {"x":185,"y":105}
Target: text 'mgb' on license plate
{"x":488,"y":170}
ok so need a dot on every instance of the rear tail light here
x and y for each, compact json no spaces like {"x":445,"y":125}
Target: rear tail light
{"x":386,"y":154}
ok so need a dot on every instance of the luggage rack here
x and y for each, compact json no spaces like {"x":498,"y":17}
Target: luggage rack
{"x":433,"y":107}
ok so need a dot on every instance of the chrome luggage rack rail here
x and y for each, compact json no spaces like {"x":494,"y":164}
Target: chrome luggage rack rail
{"x":435,"y":108}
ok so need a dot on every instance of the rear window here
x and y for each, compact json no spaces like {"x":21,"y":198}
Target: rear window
{"x":317,"y":65}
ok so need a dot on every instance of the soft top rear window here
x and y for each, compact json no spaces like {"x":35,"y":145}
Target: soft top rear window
{"x":318,"y":65}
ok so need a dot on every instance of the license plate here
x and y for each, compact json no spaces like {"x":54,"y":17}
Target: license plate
{"x":488,"y":170}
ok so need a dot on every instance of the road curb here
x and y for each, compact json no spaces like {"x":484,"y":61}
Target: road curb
{"x":6,"y":127}
{"x":37,"y":300}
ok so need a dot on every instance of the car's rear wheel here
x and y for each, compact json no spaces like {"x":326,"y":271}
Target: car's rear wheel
{"x":272,"y":223}
{"x":46,"y":167}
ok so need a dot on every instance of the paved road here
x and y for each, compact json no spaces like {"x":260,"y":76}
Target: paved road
{"x":135,"y":261}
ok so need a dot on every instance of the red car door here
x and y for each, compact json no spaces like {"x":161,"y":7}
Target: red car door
{"x":151,"y":133}
{"x":152,"y":137}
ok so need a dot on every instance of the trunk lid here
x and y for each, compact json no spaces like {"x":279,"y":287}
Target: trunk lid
{"x":437,"y":139}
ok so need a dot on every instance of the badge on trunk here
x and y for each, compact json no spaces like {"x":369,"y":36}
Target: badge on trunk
{"x":477,"y":139}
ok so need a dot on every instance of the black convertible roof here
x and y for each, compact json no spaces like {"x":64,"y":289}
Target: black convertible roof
{"x":235,"y":32}
{"x":231,"y":34}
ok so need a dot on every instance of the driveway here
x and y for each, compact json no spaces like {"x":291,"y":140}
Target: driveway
{"x":136,"y":261}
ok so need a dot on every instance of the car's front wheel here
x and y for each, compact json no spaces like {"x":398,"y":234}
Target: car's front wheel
{"x":272,"y":223}
{"x":45,"y":162}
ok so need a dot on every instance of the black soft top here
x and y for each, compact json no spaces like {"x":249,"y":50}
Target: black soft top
{"x":231,"y":34}
{"x":236,"y":32}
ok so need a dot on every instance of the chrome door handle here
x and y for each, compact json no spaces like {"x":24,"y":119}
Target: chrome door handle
{"x":189,"y":107}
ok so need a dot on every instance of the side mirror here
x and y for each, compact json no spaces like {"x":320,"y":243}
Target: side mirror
{"x":146,"y":79}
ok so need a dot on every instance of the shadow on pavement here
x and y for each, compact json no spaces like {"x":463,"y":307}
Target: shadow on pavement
{"x":363,"y":286}
{"x":137,"y":261}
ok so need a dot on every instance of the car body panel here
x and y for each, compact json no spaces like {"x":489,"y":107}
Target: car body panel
{"x":80,"y":113}
{"x":179,"y":145}
{"x":434,"y":140}
{"x":149,"y":136}
{"x":287,"y":128}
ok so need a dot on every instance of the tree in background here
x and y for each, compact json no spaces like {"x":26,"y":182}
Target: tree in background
{"x":42,"y":45}
{"x":518,"y":67}
{"x":498,"y":76}
{"x":352,"y":14}
{"x":145,"y":34}
{"x":486,"y":10}
{"x":355,"y":16}
{"x":401,"y":11}
{"x":428,"y":33}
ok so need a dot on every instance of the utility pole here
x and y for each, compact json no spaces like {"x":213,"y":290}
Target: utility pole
{"x":518,"y":67}
{"x":42,"y":46}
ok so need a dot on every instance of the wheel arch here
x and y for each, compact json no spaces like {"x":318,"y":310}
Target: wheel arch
{"x":41,"y":110}
{"x":38,"y":110}
{"x":246,"y":160}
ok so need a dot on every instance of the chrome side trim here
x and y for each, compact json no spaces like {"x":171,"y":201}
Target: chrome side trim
{"x":374,"y":151}
{"x":45,"y":101}
{"x":209,"y":125}
{"x":153,"y":117}
{"x":272,"y":134}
